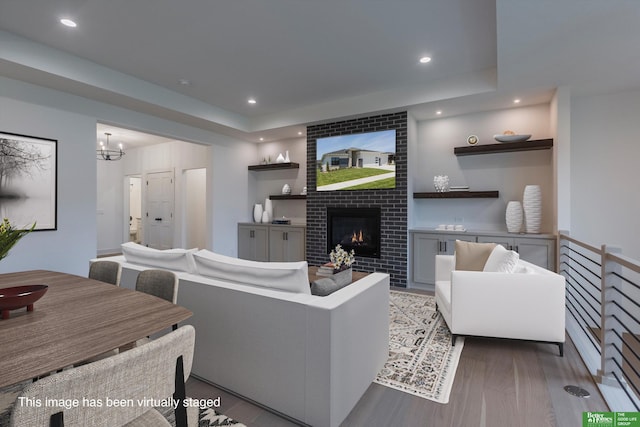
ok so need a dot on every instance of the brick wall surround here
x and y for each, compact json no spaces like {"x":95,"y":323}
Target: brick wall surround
{"x":392,"y":202}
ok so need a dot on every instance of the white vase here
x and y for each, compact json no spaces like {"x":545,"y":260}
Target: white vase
{"x":513,"y":216}
{"x":266,"y":217}
{"x":286,"y":189}
{"x":532,"y":205}
{"x":286,"y":157}
{"x":257,"y":212}
{"x":268,"y":207}
{"x":280,"y":158}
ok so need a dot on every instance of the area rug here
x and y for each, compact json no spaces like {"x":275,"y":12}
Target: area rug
{"x":206,"y":417}
{"x":421,"y":360}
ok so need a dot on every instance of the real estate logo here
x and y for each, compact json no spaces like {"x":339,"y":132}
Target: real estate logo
{"x":611,"y":419}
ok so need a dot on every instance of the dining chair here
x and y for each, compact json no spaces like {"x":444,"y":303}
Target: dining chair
{"x":106,"y":271}
{"x":160,"y":283}
{"x":81,"y":396}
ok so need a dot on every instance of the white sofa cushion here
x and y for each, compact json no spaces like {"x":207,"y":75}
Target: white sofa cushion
{"x":502,"y":260}
{"x":172,"y":259}
{"x":285,"y":276}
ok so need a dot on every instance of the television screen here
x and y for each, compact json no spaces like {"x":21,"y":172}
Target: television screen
{"x":360,"y":161}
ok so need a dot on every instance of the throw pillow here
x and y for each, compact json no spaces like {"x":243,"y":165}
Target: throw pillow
{"x":282,"y":276}
{"x":325,"y":286}
{"x":472,"y":256}
{"x":502,"y":260}
{"x":171,"y":259}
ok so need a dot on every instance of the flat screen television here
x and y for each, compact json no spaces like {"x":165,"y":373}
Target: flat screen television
{"x":362,"y":161}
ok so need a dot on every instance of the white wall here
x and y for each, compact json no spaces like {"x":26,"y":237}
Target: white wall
{"x":34,"y":110}
{"x":68,"y":248}
{"x":110,"y":205}
{"x":506,"y":172}
{"x":195,"y":208}
{"x":605,"y":206}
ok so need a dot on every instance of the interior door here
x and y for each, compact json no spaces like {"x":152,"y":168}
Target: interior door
{"x":159,"y":197}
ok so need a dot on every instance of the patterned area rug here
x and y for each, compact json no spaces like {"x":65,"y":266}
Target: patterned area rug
{"x":206,"y":417}
{"x":421,"y":359}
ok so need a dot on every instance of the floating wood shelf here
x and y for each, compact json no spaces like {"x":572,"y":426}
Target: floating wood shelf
{"x":274,"y":166}
{"x":288,"y":197}
{"x":504,"y":147}
{"x":458,"y":195}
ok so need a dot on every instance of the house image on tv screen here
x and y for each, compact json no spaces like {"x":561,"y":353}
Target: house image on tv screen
{"x":356,"y":162}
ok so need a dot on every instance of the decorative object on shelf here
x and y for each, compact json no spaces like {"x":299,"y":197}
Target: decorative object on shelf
{"x":513,"y":216}
{"x":257,"y":212}
{"x":266,"y":218}
{"x":268,"y":207}
{"x":281,"y":221}
{"x":280,"y":158}
{"x":264,"y":161}
{"x":105,"y":153}
{"x":511,"y":136}
{"x":304,"y":191}
{"x":9,"y":236}
{"x":286,"y":157}
{"x":532,"y":204}
{"x":441,"y":183}
{"x":286,"y":189}
{"x":472,"y":140}
{"x":459,"y":188}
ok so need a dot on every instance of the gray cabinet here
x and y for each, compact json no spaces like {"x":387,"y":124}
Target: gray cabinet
{"x":286,"y":243}
{"x":253,"y":242}
{"x":271,"y":242}
{"x":425,"y":247}
{"x":426,"y":244}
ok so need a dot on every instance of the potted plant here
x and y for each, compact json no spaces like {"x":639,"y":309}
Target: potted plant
{"x":342,"y":262}
{"x":9,"y":236}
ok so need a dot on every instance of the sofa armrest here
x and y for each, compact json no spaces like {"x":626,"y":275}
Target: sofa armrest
{"x":508,"y":305}
{"x":347,"y":345}
{"x":444,"y":266}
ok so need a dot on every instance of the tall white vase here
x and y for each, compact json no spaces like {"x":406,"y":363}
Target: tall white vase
{"x":268,"y":207}
{"x":513,"y":216}
{"x":257,"y":212}
{"x":532,"y":204}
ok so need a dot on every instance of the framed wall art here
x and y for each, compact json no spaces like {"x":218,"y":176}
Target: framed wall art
{"x":28,"y":180}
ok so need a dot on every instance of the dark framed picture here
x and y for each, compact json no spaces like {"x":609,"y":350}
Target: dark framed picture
{"x":28,"y":180}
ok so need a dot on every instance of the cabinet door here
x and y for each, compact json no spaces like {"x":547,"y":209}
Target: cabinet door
{"x":424,"y":248}
{"x":286,"y":244}
{"x":507,"y":242}
{"x":540,"y":252}
{"x":253,"y":243}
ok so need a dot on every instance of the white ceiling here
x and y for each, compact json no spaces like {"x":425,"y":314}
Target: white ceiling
{"x":311,"y":61}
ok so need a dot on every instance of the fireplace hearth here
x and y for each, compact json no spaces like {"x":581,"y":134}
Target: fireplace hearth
{"x":354,"y":228}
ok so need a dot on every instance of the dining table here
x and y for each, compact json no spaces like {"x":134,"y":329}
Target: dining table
{"x":75,"y":320}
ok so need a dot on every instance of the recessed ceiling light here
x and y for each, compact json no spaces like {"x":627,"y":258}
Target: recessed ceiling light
{"x":425,"y":59}
{"x":261,"y":139}
{"x":438,"y":112}
{"x":68,"y":22}
{"x":299,"y":133}
{"x":516,"y":101}
{"x":185,"y":82}
{"x":251,"y":101}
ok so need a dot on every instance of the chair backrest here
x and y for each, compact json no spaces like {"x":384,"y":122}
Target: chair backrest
{"x":160,"y":283}
{"x":133,"y":378}
{"x":106,"y":271}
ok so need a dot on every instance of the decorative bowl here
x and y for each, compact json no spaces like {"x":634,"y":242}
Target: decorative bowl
{"x":20,"y":296}
{"x":511,"y":138}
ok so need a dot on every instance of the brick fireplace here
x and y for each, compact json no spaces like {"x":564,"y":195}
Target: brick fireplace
{"x":391,"y":254}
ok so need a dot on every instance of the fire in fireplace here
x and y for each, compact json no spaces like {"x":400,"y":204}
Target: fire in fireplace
{"x":354,"y":228}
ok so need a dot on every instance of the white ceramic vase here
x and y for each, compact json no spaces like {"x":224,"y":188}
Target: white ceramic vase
{"x":513,"y":216}
{"x":266,"y":218}
{"x":268,"y":207}
{"x":257,"y":212}
{"x":280,"y":158}
{"x":286,"y":189}
{"x":532,"y":205}
{"x":286,"y":157}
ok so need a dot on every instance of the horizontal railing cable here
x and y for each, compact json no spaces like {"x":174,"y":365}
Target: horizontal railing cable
{"x":576,"y":283}
{"x":626,"y":390}
{"x":581,"y":254}
{"x":627,"y":297}
{"x":619,"y":276}
{"x":594,"y":340}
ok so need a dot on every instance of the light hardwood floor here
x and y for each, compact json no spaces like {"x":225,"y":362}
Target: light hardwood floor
{"x":498,"y":383}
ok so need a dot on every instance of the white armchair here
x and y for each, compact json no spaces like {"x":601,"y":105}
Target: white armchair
{"x":528,"y":304}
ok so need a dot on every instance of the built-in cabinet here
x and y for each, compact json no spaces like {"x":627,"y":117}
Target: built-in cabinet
{"x":271,"y":242}
{"x":538,"y":249}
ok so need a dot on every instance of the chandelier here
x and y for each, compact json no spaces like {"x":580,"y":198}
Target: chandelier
{"x":104,"y":153}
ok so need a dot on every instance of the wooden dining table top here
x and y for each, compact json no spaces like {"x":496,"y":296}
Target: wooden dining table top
{"x":76,"y":319}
